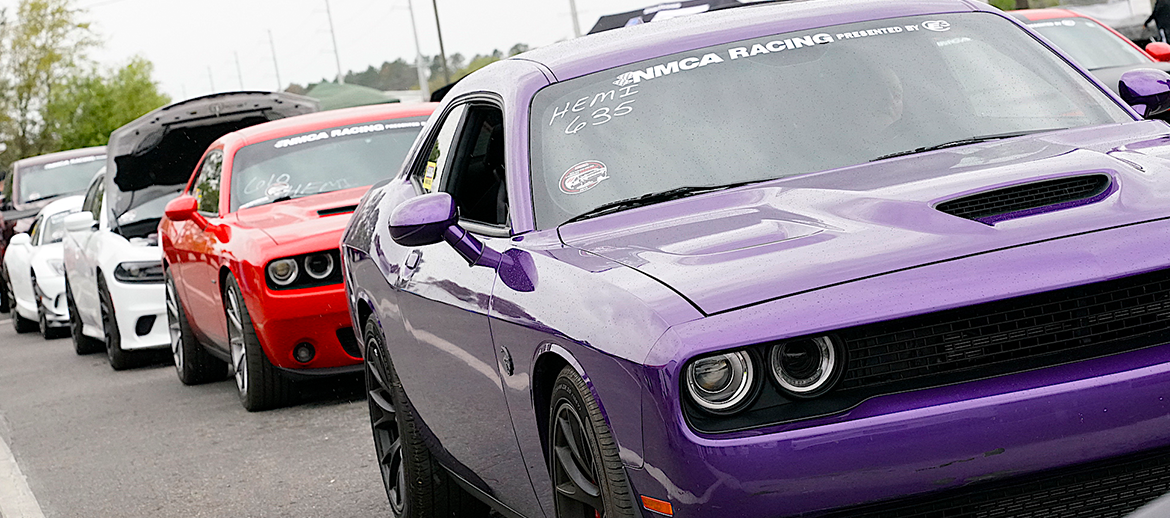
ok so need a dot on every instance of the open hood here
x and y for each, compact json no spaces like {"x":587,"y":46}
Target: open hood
{"x":155,"y":155}
{"x":735,"y":248}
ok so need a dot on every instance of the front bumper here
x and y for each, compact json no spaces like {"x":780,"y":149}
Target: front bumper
{"x":51,"y":292}
{"x":317,"y":316}
{"x":141,"y":312}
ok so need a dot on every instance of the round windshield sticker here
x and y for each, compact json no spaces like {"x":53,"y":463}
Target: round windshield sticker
{"x":583,"y":176}
{"x":937,"y":25}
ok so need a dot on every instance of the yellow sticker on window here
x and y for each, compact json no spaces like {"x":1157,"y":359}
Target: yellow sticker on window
{"x":429,"y":178}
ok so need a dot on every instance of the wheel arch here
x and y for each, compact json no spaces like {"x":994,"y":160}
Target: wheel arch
{"x":550,"y":360}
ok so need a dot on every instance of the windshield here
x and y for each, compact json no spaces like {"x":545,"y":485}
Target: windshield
{"x":796,"y":103}
{"x":1088,"y":43}
{"x":322,"y":161}
{"x":57,"y":178}
{"x":52,"y":230}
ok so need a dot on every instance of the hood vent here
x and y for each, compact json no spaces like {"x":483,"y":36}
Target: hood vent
{"x":337,"y":210}
{"x":1034,"y":198}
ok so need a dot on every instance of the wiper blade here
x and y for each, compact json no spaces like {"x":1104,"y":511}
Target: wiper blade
{"x":964,"y":142}
{"x":265,"y":200}
{"x":652,"y":198}
{"x":42,"y":198}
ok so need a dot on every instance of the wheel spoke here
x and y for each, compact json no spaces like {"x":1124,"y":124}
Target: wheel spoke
{"x":574,"y":445}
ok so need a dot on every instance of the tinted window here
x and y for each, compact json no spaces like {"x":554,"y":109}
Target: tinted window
{"x":56,"y":178}
{"x":1089,"y":44}
{"x":321,"y":161}
{"x":797,"y":103}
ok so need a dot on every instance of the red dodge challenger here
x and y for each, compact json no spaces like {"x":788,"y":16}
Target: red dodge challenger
{"x":253,"y":275}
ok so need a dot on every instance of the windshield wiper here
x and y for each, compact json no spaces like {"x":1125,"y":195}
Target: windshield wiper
{"x":42,"y":198}
{"x":265,"y":201}
{"x":964,"y":142}
{"x":650,"y":199}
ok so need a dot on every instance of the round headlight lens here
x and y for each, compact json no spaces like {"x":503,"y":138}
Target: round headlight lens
{"x":319,"y":266}
{"x":283,"y":271}
{"x":805,"y":367}
{"x":721,"y":383}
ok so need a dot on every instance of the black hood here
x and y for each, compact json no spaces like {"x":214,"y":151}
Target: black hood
{"x":155,"y":155}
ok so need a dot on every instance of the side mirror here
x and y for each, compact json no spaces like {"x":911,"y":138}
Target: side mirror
{"x":181,"y":208}
{"x":421,"y":220}
{"x":79,"y":221}
{"x":20,"y":239}
{"x":1159,"y":50}
{"x":1146,"y":90}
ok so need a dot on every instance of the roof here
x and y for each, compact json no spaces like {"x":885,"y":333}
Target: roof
{"x":333,"y":96}
{"x":329,"y":119}
{"x":1033,"y":15}
{"x":596,"y":52}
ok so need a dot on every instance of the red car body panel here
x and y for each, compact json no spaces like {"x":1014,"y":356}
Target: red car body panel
{"x":1035,"y":15}
{"x":242,"y":243}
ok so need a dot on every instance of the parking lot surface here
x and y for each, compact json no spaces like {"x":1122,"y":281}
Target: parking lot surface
{"x":94,"y":442}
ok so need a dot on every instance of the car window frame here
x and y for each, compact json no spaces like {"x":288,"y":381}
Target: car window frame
{"x":418,"y":165}
{"x":199,"y":175}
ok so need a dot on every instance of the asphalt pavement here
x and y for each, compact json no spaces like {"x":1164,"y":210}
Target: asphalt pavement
{"x":90,"y":441}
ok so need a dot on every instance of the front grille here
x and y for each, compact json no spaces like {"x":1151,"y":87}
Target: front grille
{"x":1012,"y":335}
{"x":986,"y":205}
{"x":1105,"y":489}
{"x":349,"y":342}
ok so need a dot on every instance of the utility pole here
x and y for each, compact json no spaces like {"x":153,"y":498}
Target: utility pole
{"x":336,"y":55}
{"x":210,"y":79}
{"x":239,"y":71}
{"x":576,"y":24}
{"x":418,"y":58}
{"x":272,"y":45}
{"x":442,"y":51}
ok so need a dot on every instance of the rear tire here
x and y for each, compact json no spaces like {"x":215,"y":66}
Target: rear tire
{"x":81,"y":344}
{"x":119,"y":359}
{"x":193,"y":363}
{"x":4,"y":297}
{"x":416,"y":485}
{"x":587,"y":474}
{"x":260,"y":384}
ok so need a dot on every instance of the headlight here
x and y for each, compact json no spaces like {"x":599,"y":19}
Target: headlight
{"x":57,"y":266}
{"x":806,"y":367}
{"x":722,"y":383}
{"x":283,"y":272}
{"x":140,"y":272}
{"x":319,"y":266}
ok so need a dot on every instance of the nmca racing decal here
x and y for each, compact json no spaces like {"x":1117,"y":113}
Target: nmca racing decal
{"x":344,"y":132}
{"x":583,"y":176}
{"x":811,"y":40}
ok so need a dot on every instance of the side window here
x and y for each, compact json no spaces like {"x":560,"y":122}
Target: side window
{"x":93,"y":199}
{"x":434,"y":171}
{"x":206,"y":186}
{"x":470,"y":164}
{"x":35,"y":232}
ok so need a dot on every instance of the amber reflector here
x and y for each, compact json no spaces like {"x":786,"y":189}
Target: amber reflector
{"x":657,"y":506}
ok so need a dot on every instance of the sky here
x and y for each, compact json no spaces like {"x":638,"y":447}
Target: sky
{"x":194,"y":44}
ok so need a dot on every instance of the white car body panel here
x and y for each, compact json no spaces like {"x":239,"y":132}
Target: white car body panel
{"x":35,"y":260}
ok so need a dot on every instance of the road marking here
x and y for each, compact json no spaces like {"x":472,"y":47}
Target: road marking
{"x":16,"y":499}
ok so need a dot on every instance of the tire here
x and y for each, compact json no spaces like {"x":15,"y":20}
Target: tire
{"x":587,"y":474}
{"x":260,"y":384}
{"x":193,"y":363}
{"x":416,"y":485}
{"x":4,"y":297}
{"x":81,"y":344}
{"x":19,"y":323}
{"x":119,"y":358}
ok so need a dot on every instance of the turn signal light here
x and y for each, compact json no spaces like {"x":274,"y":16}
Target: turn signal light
{"x":658,"y":506}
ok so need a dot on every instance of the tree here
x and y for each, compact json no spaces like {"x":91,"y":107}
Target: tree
{"x":42,"y":47}
{"x":88,"y":107}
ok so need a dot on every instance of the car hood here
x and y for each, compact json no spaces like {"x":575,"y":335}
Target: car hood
{"x":1111,"y":76}
{"x":292,"y":220}
{"x":740,"y":247}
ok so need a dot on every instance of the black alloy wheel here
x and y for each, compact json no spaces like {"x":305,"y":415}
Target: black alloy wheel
{"x":416,"y":484}
{"x":260,"y":384}
{"x":193,"y":363}
{"x":82,"y":344}
{"x":119,"y":358}
{"x":588,"y":478}
{"x":19,"y":323}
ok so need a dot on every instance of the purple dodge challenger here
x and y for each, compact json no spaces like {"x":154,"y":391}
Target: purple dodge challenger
{"x":824,"y":258}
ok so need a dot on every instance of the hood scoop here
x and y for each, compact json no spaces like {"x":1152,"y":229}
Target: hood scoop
{"x":337,"y":210}
{"x":1017,"y":201}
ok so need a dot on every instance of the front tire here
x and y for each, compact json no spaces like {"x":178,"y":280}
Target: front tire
{"x":416,"y":485}
{"x":119,"y":358}
{"x":19,"y":323}
{"x":587,"y":474}
{"x":260,"y":384}
{"x":81,"y":344}
{"x":193,"y":363}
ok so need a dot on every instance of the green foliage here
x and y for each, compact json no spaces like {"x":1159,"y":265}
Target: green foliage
{"x":1005,"y":5}
{"x":83,"y":111}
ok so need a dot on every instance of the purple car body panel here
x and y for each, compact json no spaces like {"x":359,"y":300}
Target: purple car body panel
{"x":628,"y":299}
